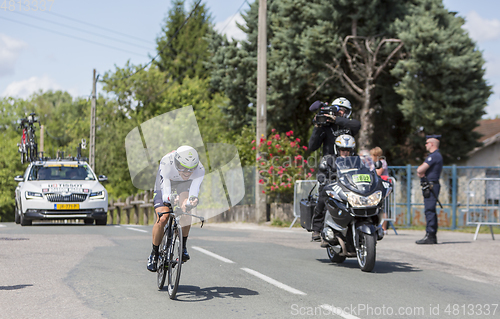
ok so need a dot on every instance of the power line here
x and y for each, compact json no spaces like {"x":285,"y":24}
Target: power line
{"x":96,"y":26}
{"x":238,"y":11}
{"x":73,"y":37}
{"x":78,"y":29}
{"x":167,"y":44}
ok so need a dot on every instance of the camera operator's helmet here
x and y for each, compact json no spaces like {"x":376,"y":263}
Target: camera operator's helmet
{"x":186,"y":159}
{"x":344,"y":103}
{"x":345,"y":142}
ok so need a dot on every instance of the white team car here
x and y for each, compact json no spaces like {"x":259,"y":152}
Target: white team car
{"x":60,"y":189}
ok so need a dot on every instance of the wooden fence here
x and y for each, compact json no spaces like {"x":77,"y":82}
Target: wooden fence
{"x":138,"y":210}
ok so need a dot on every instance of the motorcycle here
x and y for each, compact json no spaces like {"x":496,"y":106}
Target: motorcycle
{"x":354,"y":208}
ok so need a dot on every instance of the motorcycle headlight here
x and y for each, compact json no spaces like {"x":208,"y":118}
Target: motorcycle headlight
{"x":363,"y":201}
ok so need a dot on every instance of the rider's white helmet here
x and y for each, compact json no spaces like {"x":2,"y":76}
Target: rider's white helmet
{"x":342,"y":102}
{"x":186,"y":158}
{"x":345,"y":142}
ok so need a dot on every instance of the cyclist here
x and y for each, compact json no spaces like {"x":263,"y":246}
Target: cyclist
{"x":180,"y":170}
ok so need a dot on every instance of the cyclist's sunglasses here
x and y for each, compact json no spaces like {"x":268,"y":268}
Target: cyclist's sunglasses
{"x":181,"y":168}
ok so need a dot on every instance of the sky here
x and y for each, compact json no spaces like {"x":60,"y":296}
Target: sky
{"x":58,"y":48}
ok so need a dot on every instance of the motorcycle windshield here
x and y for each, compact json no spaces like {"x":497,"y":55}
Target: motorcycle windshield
{"x":356,"y":174}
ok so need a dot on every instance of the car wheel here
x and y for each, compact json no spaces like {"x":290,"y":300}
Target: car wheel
{"x":101,"y":221}
{"x":88,"y":221}
{"x":24,"y":221}
{"x":16,"y":212}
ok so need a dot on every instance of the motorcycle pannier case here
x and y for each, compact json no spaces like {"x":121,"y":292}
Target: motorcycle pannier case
{"x":306,"y":213}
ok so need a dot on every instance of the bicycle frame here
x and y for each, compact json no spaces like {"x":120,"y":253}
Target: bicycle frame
{"x":28,"y":147}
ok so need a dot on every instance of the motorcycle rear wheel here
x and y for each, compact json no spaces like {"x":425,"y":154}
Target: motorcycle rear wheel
{"x":366,"y":253}
{"x":334,"y":256}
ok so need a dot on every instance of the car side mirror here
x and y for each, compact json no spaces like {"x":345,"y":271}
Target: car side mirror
{"x":19,"y":178}
{"x":102,"y":178}
{"x":378,"y":164}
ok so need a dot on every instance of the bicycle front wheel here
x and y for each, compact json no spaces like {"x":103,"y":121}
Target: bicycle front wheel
{"x":163,"y":256}
{"x":175,"y":261}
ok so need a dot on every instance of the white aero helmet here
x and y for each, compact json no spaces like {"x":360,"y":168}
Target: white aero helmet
{"x":345,"y":142}
{"x":342,"y":102}
{"x":186,"y":159}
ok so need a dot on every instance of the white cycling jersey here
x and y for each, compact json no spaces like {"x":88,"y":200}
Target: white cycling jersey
{"x":167,"y":173}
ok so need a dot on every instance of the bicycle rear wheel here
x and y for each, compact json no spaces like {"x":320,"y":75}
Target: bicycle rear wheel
{"x":175,"y":261}
{"x":163,"y":256}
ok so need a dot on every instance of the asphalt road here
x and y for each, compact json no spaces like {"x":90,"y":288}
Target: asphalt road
{"x":242,"y":271}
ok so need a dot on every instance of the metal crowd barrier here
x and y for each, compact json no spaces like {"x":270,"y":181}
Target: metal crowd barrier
{"x":390,"y":205}
{"x":483,"y":203}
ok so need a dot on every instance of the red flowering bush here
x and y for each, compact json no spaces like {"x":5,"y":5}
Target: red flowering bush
{"x":280,"y":163}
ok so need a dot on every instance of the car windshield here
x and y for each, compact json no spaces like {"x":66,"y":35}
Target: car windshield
{"x":77,"y":172}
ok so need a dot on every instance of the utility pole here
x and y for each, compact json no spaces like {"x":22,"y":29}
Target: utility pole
{"x":261,"y":107}
{"x":92,"y":125}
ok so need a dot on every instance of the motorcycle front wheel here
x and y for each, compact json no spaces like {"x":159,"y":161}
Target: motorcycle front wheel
{"x":366,"y":251}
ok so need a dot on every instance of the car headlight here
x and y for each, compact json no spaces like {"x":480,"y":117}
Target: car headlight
{"x":97,"y":195}
{"x":362,"y":201}
{"x":33,"y":195}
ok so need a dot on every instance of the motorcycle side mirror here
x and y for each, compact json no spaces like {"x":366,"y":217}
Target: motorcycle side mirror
{"x":378,"y":164}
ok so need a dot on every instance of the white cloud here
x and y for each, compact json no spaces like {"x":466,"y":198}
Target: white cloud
{"x":230,"y":29}
{"x":482,"y":29}
{"x":492,"y":65}
{"x":24,"y":88}
{"x":10,"y":49}
{"x":493,"y":108}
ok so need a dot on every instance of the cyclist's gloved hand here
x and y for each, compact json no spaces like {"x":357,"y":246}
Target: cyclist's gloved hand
{"x":174,"y":199}
{"x":193,"y":201}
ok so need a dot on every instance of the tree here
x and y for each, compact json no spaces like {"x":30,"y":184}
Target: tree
{"x":183,"y":46}
{"x":442,"y":83}
{"x":290,"y":76}
{"x":362,"y":47}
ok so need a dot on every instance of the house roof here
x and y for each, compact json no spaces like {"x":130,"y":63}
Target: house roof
{"x":490,"y":129}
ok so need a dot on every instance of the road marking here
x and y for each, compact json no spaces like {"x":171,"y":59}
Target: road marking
{"x":211,"y":254}
{"x":3,"y":226}
{"x":339,"y":312}
{"x":273,"y":282}
{"x":141,"y":230}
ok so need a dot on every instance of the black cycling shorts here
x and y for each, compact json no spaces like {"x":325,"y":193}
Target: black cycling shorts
{"x":177,"y":187}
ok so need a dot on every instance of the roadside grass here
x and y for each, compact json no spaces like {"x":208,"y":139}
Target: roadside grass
{"x":277,"y":222}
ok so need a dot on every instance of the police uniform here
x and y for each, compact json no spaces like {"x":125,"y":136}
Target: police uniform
{"x":435,"y":162}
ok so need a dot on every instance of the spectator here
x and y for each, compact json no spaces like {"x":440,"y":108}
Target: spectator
{"x":383,"y":172}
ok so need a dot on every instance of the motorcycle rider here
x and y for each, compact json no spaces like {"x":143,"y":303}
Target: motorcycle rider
{"x":326,"y":134}
{"x":344,"y":146}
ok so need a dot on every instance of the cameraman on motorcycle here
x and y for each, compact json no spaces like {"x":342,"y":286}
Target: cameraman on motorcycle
{"x":330,"y":122}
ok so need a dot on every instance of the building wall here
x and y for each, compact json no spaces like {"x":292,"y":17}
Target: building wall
{"x":488,"y":156}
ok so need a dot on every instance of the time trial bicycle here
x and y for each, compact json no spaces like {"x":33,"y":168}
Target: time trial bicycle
{"x":170,"y":251}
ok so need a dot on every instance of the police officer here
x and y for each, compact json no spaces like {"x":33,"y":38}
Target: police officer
{"x":326,"y":134}
{"x":429,"y":173}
